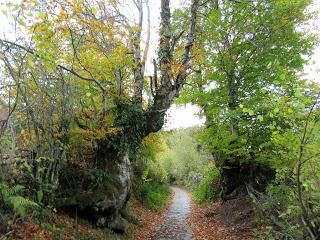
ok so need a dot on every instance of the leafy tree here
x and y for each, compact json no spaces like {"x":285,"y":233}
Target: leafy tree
{"x":150,"y":180}
{"x":252,"y":52}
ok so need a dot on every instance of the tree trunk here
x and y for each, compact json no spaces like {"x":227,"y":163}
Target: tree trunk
{"x":107,"y":210}
{"x":99,"y":193}
{"x":235,"y":176}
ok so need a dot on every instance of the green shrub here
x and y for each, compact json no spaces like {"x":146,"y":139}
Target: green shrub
{"x":280,"y":214}
{"x":153,"y":194}
{"x":209,"y":185}
{"x":129,"y":216}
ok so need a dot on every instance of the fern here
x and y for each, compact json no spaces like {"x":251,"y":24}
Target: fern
{"x":10,"y":197}
{"x":7,"y":191}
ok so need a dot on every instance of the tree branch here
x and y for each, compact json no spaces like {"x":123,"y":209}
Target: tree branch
{"x":31,"y":51}
{"x":146,"y":49}
{"x":181,"y":78}
{"x":167,"y":91}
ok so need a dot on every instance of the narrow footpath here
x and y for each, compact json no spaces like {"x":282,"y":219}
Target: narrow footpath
{"x":175,"y":225}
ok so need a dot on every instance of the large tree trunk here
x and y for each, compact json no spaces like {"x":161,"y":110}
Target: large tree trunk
{"x":99,"y":192}
{"x":236,"y":175}
{"x":107,"y":210}
{"x":152,"y":119}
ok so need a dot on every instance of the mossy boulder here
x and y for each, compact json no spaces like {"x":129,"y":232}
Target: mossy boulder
{"x":97,"y":194}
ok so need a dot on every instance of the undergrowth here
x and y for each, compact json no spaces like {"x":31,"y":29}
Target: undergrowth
{"x":154,"y":195}
{"x":208,"y":188}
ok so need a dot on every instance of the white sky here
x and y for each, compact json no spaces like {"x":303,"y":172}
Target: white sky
{"x":183,"y":117}
{"x":186,"y":116}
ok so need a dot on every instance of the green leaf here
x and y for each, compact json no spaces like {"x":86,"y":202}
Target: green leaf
{"x":269,"y":65}
{"x":42,"y":15}
{"x":30,"y":62}
{"x":297,"y":93}
{"x":282,"y":77}
{"x":260,"y":118}
{"x":39,"y":195}
{"x":4,"y":11}
{"x":93,"y":10}
{"x":21,"y":22}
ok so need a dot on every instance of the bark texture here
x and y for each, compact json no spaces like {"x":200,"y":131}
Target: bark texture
{"x":100,"y":192}
{"x":114,"y":203}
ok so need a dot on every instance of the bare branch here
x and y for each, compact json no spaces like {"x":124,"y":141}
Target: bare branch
{"x":191,"y":36}
{"x":151,"y":86}
{"x":146,"y":49}
{"x":138,"y":71}
{"x":155,"y":75}
{"x":167,"y":91}
{"x":176,"y":39}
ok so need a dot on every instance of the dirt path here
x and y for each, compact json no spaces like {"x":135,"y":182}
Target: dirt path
{"x":175,"y":226}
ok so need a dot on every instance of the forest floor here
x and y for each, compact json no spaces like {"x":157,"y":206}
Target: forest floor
{"x":149,"y":219}
{"x":232,"y":220}
{"x":62,"y":226}
{"x":179,"y":219}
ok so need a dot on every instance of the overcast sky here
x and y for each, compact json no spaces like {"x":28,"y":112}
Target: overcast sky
{"x":186,"y":116}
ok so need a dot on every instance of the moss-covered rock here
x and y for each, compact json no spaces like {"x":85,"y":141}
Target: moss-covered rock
{"x":97,"y":194}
